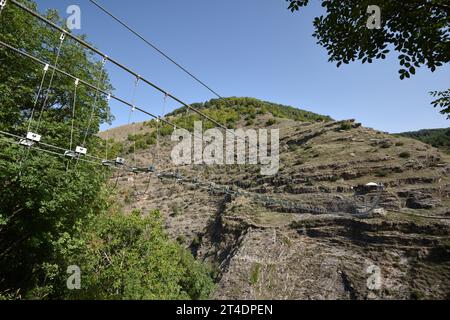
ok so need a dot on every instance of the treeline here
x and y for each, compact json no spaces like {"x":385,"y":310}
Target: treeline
{"x":439,"y":138}
{"x":229,"y":110}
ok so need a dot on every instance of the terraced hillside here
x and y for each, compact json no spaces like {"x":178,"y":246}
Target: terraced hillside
{"x":261,"y":249}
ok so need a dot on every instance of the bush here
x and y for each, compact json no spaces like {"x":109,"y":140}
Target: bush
{"x":417,"y":295}
{"x":254,"y":273}
{"x":181,"y":239}
{"x":131,"y":257}
{"x":404,"y":155}
{"x":176,"y":210}
{"x":382,"y":173}
{"x":346,"y":126}
{"x":196,"y":241}
{"x":250,"y":123}
{"x":141,"y":145}
{"x":271,"y":122}
{"x":166,"y":130}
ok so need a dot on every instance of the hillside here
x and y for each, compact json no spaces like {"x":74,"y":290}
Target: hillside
{"x":262,"y":247}
{"x":439,"y":138}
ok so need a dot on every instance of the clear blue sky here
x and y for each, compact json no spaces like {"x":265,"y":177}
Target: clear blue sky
{"x":252,"y":48}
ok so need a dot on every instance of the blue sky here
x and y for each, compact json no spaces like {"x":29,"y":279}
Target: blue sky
{"x":252,"y":48}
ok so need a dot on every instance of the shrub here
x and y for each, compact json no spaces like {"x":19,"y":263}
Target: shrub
{"x":141,"y":144}
{"x":166,"y":130}
{"x":254,"y":273}
{"x":346,"y":126}
{"x":382,"y":173}
{"x":196,"y":241}
{"x":404,"y":155}
{"x":131,"y":257}
{"x":181,"y":239}
{"x":417,"y":295}
{"x":176,"y":210}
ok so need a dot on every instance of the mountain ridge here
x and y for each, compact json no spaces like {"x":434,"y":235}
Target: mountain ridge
{"x":264,"y":251}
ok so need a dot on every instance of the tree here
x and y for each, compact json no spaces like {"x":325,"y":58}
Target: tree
{"x":132,"y":258}
{"x":419,"y":30}
{"x":43,"y":199}
{"x":54,"y":213}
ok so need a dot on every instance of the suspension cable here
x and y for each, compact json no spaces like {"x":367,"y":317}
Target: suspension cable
{"x":11,"y":135}
{"x":156,"y":49}
{"x":108,"y":115}
{"x":62,"y":37}
{"x":156,"y":153}
{"x":2,"y":5}
{"x":37,"y":97}
{"x":73,"y":114}
{"x":134,"y":167}
{"x":58,"y":54}
{"x":90,"y":85}
{"x":30,"y":120}
{"x":45,"y":150}
{"x":124,"y":102}
{"x":156,"y":87}
{"x":95,"y":105}
{"x":158,"y":128}
{"x":132,"y":110}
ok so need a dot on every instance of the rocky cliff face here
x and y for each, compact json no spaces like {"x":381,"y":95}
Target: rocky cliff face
{"x":262,"y":251}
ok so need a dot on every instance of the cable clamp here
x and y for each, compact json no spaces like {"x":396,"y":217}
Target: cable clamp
{"x":63,"y":36}
{"x":2,"y":4}
{"x":77,"y":82}
{"x":108,"y":97}
{"x":133,"y":109}
{"x":105,"y":59}
{"x":46,"y":67}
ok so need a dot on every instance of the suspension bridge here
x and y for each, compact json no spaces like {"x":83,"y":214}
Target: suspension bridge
{"x":78,"y":152}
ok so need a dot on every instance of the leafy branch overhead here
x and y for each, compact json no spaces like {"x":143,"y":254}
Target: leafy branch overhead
{"x":419,"y":30}
{"x":442,"y":101}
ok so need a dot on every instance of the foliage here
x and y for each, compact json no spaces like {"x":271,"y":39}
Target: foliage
{"x":439,"y":138}
{"x":130,"y":257}
{"x":176,"y":209}
{"x":381,"y":173}
{"x":346,"y":126}
{"x":43,"y":199}
{"x":405,"y":155}
{"x":53,"y":210}
{"x":254,"y":273}
{"x":229,"y":111}
{"x":442,"y":101}
{"x":417,"y":29}
{"x":20,"y":78}
{"x":142,"y":141}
